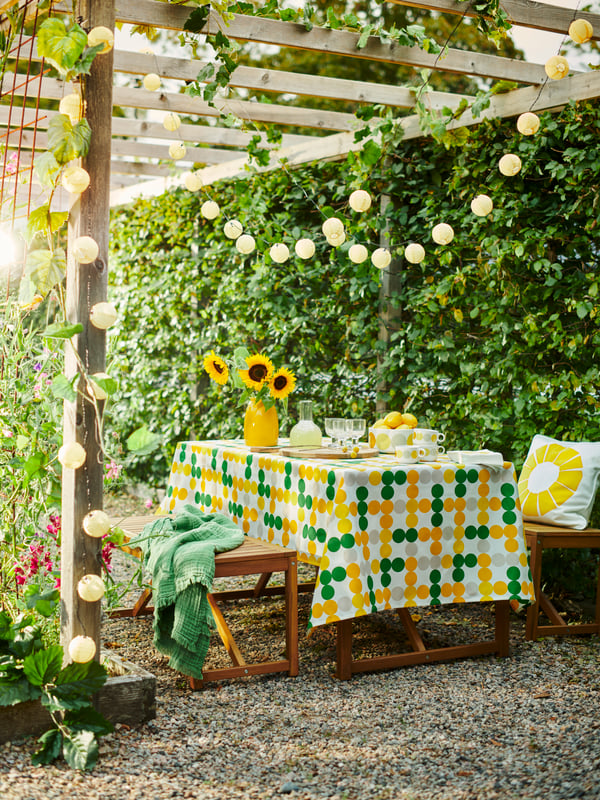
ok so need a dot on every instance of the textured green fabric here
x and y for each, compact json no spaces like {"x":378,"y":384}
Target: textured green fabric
{"x":179,"y":553}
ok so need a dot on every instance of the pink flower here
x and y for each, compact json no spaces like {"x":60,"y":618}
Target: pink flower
{"x":113,"y":470}
{"x":12,"y":165}
{"x":148,"y":503}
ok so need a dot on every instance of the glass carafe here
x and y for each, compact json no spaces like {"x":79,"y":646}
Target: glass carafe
{"x":305,"y":433}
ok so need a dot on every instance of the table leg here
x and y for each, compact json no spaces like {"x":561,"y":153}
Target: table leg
{"x":503,"y":628}
{"x":344,"y":650}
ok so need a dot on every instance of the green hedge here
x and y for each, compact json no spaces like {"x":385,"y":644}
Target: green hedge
{"x":496,"y":336}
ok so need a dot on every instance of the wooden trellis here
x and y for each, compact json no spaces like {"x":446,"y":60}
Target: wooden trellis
{"x":128,"y":158}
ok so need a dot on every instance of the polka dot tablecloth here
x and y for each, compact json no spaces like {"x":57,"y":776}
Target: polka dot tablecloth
{"x":384,"y":535}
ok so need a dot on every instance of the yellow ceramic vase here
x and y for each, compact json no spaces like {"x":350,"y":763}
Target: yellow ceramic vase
{"x":261,"y":426}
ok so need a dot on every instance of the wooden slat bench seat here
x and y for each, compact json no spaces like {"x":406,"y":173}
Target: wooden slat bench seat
{"x":253,"y":557}
{"x":540,"y":537}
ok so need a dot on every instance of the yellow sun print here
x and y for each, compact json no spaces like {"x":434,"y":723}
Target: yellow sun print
{"x":549,"y":478}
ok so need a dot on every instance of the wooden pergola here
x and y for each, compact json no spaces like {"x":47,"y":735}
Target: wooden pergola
{"x":129,"y":158}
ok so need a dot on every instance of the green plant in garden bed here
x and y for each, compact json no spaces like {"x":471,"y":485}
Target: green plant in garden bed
{"x":30,"y":671}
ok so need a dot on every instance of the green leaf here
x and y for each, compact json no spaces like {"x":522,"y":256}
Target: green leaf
{"x":370,"y":153}
{"x":142,"y":441}
{"x":50,"y":748}
{"x":68,"y":141}
{"x":110,"y":385}
{"x":45,"y":269}
{"x":80,"y":749}
{"x":364,"y":37}
{"x":58,"y":330}
{"x":43,"y":667}
{"x":59,"y":46}
{"x":34,"y":464}
{"x":18,"y":692}
{"x":63,"y":388}
{"x":80,"y":679}
{"x":197,"y":19}
{"x":44,"y":601}
{"x":84,"y":63}
{"x":90,"y":720}
{"x":46,"y":168}
{"x":42,"y":221}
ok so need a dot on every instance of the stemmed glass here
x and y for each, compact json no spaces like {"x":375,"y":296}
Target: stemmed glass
{"x":354,"y":429}
{"x":335,"y":427}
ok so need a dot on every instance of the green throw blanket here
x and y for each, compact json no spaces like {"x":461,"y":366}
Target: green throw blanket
{"x":179,"y":553}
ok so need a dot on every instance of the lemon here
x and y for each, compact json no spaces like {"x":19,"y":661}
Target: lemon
{"x":410,"y":420}
{"x":380,"y":423}
{"x":393,"y":419}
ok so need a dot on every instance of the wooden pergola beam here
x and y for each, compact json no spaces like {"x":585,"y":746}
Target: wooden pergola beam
{"x":528,"y":13}
{"x":553,"y":95}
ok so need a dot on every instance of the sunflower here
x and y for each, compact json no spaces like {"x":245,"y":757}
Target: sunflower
{"x":216,"y":368}
{"x":260,"y":370}
{"x":282,"y":383}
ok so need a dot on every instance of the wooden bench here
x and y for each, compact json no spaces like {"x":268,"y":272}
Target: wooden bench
{"x":253,"y":557}
{"x":544,"y":537}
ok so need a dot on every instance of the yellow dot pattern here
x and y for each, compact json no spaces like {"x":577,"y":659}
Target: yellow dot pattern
{"x":384,"y":535}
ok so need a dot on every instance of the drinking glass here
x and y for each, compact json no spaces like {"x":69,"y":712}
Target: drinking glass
{"x":357,"y":428}
{"x":334,"y":427}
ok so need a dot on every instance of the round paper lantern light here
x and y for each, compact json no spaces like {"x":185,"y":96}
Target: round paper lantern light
{"x":557,"y":68}
{"x":209,"y":209}
{"x":414,"y":253}
{"x":85,"y":249}
{"x":358,"y":253}
{"x":72,"y":455}
{"x":233,"y":229}
{"x":580,"y":30}
{"x":103,"y":315}
{"x":442,"y":233}
{"x":305,"y":248}
{"x":75,"y":179}
{"x":101,"y":35}
{"x":151,"y":81}
{"x":82,"y":649}
{"x":72,"y":106}
{"x":279,"y":252}
{"x":509,"y":164}
{"x":381,"y":258}
{"x":90,"y":588}
{"x":336,"y":240}
{"x":177,"y":150}
{"x":332,"y":227}
{"x":96,"y":523}
{"x":171,"y":122}
{"x":245,"y":244}
{"x":360,"y":200}
{"x":528,"y":123}
{"x":482,"y":205}
{"x":192,"y":181}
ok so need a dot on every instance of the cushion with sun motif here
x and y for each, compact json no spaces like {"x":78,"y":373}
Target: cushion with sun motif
{"x":558,"y":482}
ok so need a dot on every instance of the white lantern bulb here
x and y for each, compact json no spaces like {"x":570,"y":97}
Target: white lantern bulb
{"x":72,"y":455}
{"x":233,"y":229}
{"x":85,"y":249}
{"x":103,"y":315}
{"x":279,"y":253}
{"x":360,"y":200}
{"x":171,"y":122}
{"x":245,"y":244}
{"x":101,"y":35}
{"x":177,"y":150}
{"x":414,"y":253}
{"x":151,"y":81}
{"x":509,"y":164}
{"x":381,"y":258}
{"x":96,"y":523}
{"x":332,"y":227}
{"x":305,"y":248}
{"x":442,"y":233}
{"x":358,"y":253}
{"x":210,"y":210}
{"x":528,"y":123}
{"x":192,"y":181}
{"x":75,"y":179}
{"x":482,"y":205}
{"x":82,"y":649}
{"x":90,"y":588}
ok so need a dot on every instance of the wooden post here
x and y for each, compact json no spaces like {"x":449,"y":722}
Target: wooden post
{"x":87,"y":285}
{"x":390,"y":315}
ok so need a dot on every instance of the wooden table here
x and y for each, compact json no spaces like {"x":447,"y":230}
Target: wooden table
{"x":384,"y":536}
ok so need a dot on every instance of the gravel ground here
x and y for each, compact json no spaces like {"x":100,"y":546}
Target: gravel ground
{"x":523,"y":727}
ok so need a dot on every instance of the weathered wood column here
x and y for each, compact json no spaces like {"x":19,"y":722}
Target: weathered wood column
{"x":87,"y":285}
{"x":390,"y":315}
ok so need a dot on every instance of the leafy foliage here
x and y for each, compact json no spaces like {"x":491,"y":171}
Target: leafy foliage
{"x":492,"y":338}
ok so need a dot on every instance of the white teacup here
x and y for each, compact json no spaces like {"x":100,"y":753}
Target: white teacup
{"x":431,"y":452}
{"x":427,"y":436}
{"x":409,"y":453}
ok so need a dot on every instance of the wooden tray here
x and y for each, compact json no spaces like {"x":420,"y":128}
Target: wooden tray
{"x":326,"y":452}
